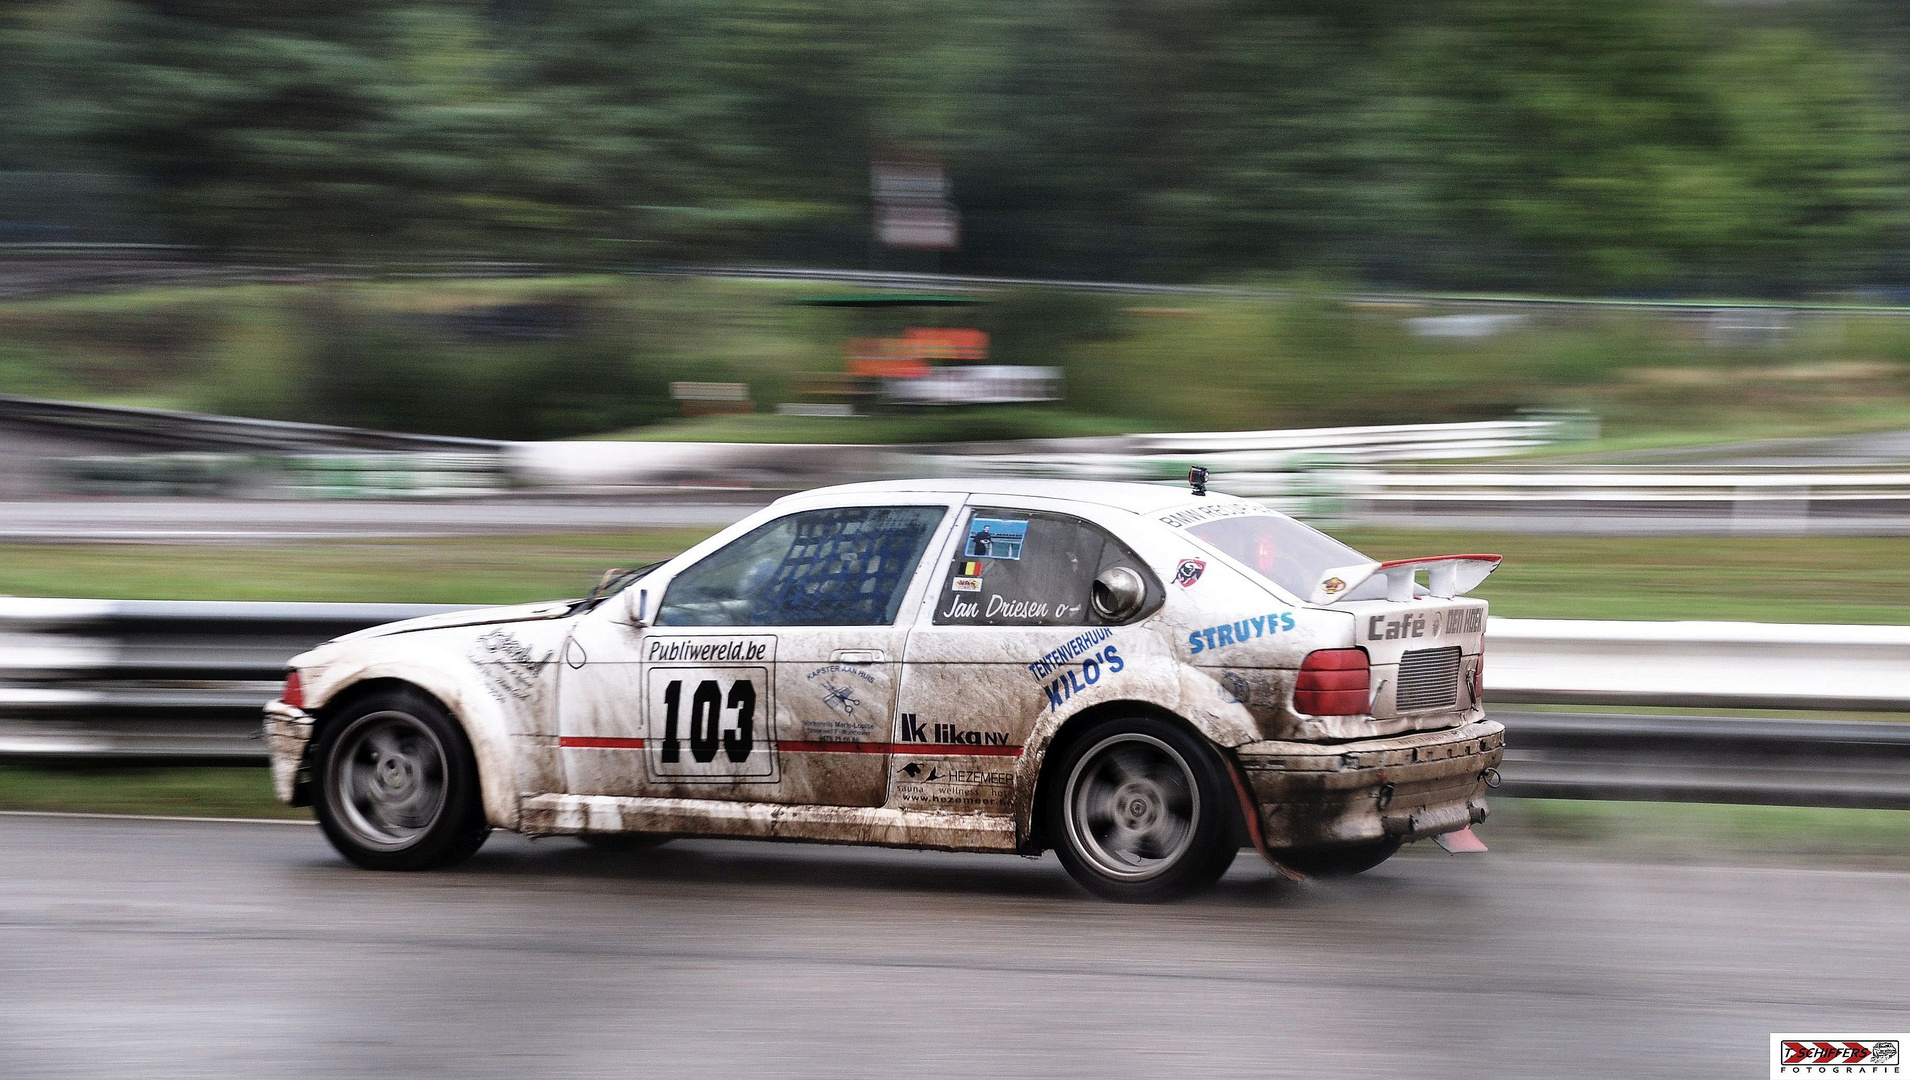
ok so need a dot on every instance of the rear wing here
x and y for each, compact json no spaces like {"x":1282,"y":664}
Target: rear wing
{"x":1446,"y":575}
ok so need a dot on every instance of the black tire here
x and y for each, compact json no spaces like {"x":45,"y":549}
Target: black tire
{"x":624,"y":841}
{"x":1344,"y":861}
{"x":1140,"y":810}
{"x":396,"y":784}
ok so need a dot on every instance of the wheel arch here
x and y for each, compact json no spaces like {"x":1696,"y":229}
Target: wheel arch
{"x":484,"y":726}
{"x":1053,"y":745}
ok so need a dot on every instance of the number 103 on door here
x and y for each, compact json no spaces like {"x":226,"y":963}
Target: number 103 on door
{"x":710,"y":724}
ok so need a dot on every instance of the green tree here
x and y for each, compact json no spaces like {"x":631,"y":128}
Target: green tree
{"x":1620,"y":145}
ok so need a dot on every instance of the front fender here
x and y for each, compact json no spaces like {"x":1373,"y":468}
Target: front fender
{"x":492,"y":710}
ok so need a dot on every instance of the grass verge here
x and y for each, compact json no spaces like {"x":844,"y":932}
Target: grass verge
{"x":1753,"y":579}
{"x":1696,"y":832}
{"x":1761,"y":579}
{"x":192,"y":791}
{"x":490,"y":570}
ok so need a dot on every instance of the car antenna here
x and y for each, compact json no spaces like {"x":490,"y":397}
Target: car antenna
{"x":1197,"y":477}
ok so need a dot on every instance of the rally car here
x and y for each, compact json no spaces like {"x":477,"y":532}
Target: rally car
{"x":1144,"y":679}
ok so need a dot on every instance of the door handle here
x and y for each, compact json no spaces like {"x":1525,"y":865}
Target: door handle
{"x":858,"y":656}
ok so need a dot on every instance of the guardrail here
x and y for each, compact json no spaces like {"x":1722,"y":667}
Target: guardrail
{"x":103,"y":679}
{"x":1849,"y":763}
{"x":155,"y":678}
{"x":172,"y":429}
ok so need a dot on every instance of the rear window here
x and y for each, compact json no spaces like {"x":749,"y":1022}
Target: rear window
{"x":1280,"y":549}
{"x":1028,"y":568}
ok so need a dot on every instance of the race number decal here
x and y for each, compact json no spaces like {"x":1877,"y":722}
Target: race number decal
{"x":709,"y":724}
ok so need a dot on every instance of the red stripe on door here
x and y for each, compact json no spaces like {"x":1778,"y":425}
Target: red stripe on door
{"x":954,"y":750}
{"x":587,"y":742}
{"x":833,"y":747}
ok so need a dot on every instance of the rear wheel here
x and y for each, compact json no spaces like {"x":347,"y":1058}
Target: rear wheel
{"x":398,"y":784}
{"x":1140,"y":810}
{"x":1340,"y":861}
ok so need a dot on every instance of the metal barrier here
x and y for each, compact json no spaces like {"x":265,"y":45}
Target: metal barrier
{"x":156,"y":678}
{"x":171,"y":429}
{"x":104,"y":679}
{"x":1706,"y":665}
{"x":1849,"y":763}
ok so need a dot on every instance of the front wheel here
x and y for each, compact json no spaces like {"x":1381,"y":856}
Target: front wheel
{"x":1141,"y":811}
{"x":398,"y":784}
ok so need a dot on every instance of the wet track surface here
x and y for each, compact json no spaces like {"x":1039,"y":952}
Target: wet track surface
{"x":181,"y":949}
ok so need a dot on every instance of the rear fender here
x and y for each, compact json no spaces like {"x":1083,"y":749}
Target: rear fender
{"x":1219,"y":722}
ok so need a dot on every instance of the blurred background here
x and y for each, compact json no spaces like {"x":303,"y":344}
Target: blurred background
{"x":329,"y":306}
{"x":399,"y":215}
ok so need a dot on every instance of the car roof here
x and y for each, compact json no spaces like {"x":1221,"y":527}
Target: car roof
{"x":1134,"y":498}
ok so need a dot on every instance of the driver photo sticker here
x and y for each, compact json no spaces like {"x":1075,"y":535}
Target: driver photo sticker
{"x":994,"y":538}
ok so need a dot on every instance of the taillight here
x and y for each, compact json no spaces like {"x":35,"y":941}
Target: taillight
{"x":294,"y":693}
{"x":1334,"y":682}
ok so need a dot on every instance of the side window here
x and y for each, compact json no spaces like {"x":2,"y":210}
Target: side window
{"x":1023,"y":568}
{"x":844,"y":566}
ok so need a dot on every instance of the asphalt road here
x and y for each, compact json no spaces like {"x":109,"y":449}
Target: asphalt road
{"x":158,"y":949}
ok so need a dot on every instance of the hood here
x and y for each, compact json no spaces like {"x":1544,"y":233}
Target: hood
{"x":549,"y":609}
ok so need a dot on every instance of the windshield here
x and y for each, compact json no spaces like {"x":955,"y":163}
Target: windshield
{"x":613,"y":582}
{"x":1280,"y":549}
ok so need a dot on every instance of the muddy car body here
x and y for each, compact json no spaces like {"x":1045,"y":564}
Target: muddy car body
{"x":1141,"y":678}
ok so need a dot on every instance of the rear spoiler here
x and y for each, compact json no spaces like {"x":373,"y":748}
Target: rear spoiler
{"x":1446,"y":575}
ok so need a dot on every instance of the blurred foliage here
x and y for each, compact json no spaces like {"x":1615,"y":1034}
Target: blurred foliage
{"x":592,"y":354}
{"x":1628,"y":145}
{"x":975,"y":424}
{"x":535,"y":371}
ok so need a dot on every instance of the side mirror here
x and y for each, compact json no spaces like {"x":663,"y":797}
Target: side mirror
{"x":1118,"y":593}
{"x":637,"y":601}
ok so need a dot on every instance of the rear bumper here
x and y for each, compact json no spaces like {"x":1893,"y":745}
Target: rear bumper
{"x":288,"y":731}
{"x":1409,"y":786}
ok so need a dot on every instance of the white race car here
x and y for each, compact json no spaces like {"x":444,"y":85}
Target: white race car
{"x":1144,"y":679}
